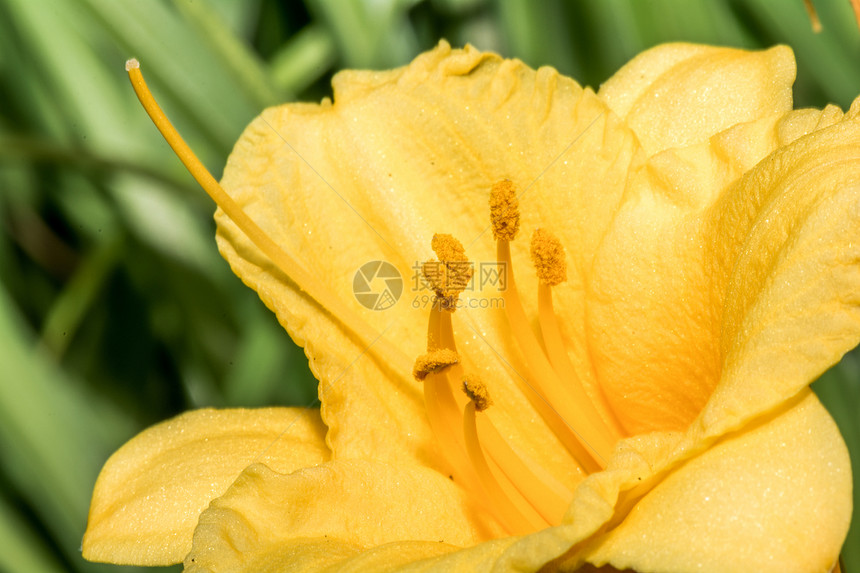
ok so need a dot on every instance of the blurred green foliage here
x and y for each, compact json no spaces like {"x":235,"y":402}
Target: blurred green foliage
{"x":115,"y":308}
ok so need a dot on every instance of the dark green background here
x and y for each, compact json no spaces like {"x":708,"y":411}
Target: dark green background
{"x":116,"y":310}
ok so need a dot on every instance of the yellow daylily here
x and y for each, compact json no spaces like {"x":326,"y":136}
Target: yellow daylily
{"x":640,"y":401}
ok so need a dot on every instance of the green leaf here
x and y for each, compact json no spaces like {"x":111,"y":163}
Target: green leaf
{"x":54,"y":435}
{"x":839,"y":391}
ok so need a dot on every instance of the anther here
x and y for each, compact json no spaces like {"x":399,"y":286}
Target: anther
{"x":451,"y":274}
{"x":448,"y":249}
{"x":504,"y":210}
{"x":566,"y":408}
{"x":434,"y":361}
{"x":548,"y":258}
{"x":477,"y":392}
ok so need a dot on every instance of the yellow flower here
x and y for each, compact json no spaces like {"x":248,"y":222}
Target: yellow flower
{"x":641,"y":400}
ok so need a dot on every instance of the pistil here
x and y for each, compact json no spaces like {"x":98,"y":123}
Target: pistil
{"x":317,"y":290}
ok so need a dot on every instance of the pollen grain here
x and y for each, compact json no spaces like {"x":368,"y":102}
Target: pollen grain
{"x":477,"y":392}
{"x":504,"y":210}
{"x":434,"y":361}
{"x":451,"y":274}
{"x":548,"y":257}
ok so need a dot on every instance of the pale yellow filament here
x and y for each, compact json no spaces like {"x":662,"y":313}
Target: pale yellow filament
{"x":442,"y":393}
{"x":578,"y":414}
{"x":517,"y":515}
{"x":442,"y":409}
{"x":546,"y":494}
{"x":559,"y":359}
{"x":522,"y":495}
{"x":533,"y":483}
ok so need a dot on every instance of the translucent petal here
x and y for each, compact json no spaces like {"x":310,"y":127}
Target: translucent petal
{"x":151,"y":491}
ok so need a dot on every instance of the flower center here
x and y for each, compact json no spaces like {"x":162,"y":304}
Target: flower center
{"x":523,"y":495}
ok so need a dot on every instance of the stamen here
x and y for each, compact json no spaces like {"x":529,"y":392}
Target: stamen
{"x":504,"y":210}
{"x":442,"y":413}
{"x":477,"y":392}
{"x":587,"y":427}
{"x":579,"y":415}
{"x":546,"y":494}
{"x":439,"y":402}
{"x":517,"y":514}
{"x":542,"y":490}
{"x":448,"y":248}
{"x":548,"y":258}
{"x":434,"y":361}
{"x":547,"y":254}
{"x":451,"y":274}
{"x":558,"y":357}
{"x":304,"y":280}
{"x":523,"y":499}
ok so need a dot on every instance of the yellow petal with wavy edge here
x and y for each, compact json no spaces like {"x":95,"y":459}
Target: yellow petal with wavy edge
{"x":150,"y":493}
{"x":794,"y":280}
{"x":658,"y":310}
{"x":399,"y":156}
{"x":681,"y":94}
{"x":787,"y":473}
{"x":356,"y":502}
{"x":661,"y":278}
{"x":771,"y":499}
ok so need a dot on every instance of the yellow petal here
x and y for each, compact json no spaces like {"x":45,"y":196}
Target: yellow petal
{"x":681,"y":94}
{"x":358,"y":503}
{"x":659,"y":294}
{"x":775,"y":497}
{"x":329,"y":555}
{"x":399,"y":156}
{"x":415,"y":557}
{"x":792,"y":284}
{"x":151,"y":491}
{"x":653,"y":324}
